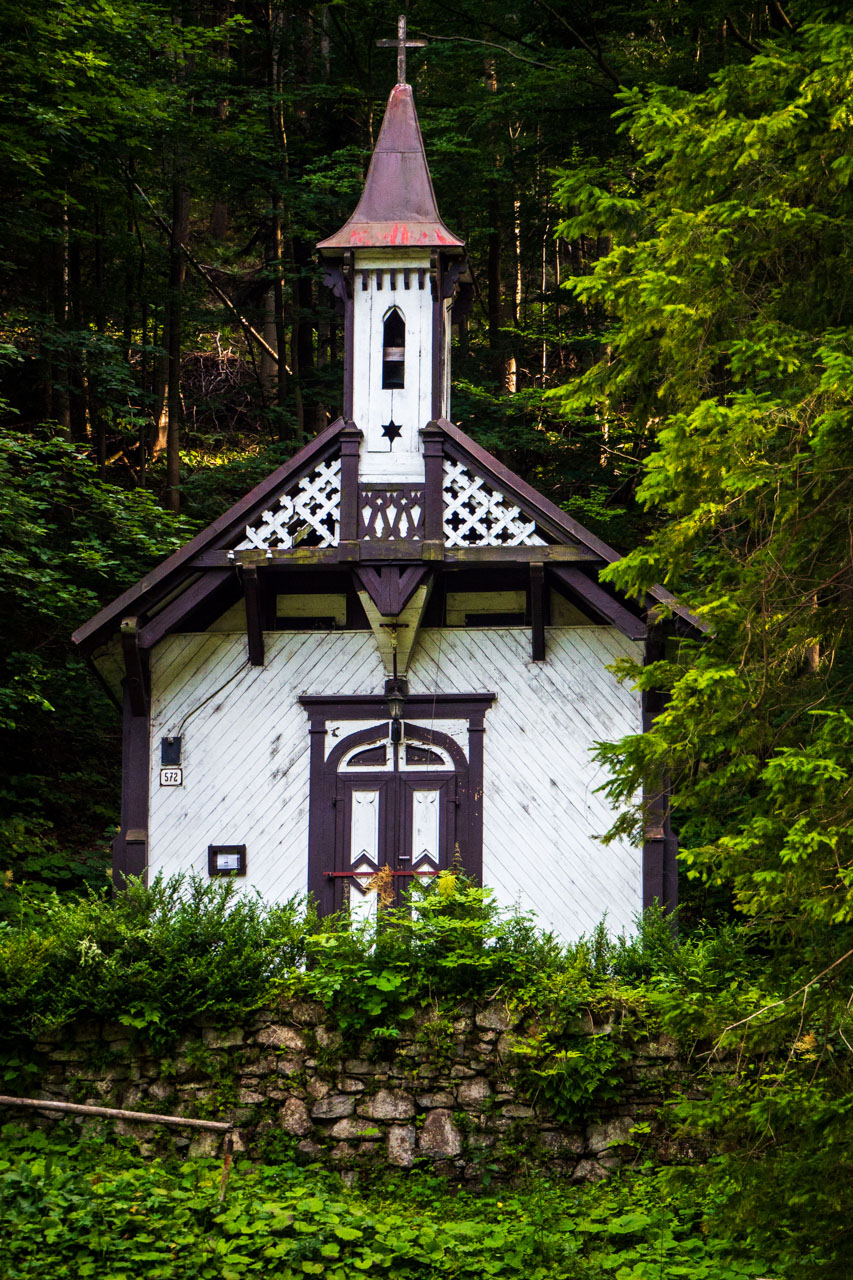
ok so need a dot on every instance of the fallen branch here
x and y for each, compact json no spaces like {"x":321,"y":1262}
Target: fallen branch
{"x":77,"y":1108}
{"x":776,"y":1003}
{"x":248,"y":329}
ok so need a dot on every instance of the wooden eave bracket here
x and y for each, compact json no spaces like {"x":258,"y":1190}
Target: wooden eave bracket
{"x":390,"y":587}
{"x":136,"y":674}
{"x":599,"y":601}
{"x":254,"y":615}
{"x":396,"y":635}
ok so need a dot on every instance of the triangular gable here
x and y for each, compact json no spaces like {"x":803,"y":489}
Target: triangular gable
{"x":307,"y":513}
{"x":550,"y":520}
{"x":478,"y":514}
{"x":224,"y":533}
{"x":484,"y":505}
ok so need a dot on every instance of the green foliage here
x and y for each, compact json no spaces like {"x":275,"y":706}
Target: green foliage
{"x":152,"y":959}
{"x":451,"y":941}
{"x":69,"y":541}
{"x":769,"y":1084}
{"x":730,"y":341}
{"x":575,"y":1074}
{"x":77,"y":1208}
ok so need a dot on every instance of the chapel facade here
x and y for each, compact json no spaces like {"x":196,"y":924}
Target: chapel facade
{"x":393,"y":652}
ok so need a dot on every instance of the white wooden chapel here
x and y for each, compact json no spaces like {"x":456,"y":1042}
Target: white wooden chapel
{"x":393,"y":651}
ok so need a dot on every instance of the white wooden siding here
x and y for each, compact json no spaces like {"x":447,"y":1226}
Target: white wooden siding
{"x":373,"y":406}
{"x":245,"y":753}
{"x":541,"y":811}
{"x":245,"y":756}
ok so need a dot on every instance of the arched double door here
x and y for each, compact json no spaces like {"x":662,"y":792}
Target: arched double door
{"x":399,"y":805}
{"x":411,"y":806}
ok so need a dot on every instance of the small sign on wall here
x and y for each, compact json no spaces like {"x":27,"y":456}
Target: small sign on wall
{"x":226,"y":859}
{"x":171,"y":777}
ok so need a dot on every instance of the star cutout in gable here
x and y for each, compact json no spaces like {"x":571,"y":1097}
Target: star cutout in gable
{"x":391,"y":431}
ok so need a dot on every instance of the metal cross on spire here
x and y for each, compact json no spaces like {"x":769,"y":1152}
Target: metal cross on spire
{"x":401,"y":44}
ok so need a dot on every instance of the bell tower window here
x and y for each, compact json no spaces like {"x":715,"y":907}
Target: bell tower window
{"x":393,"y":351}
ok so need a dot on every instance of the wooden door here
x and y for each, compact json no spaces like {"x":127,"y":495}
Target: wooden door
{"x":396,"y":807}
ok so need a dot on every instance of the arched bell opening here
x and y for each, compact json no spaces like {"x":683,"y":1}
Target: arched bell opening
{"x":394,"y":351}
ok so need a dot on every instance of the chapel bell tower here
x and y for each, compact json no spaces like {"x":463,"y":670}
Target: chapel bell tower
{"x":398,"y":272}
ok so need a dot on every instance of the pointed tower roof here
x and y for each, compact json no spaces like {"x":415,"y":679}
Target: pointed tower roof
{"x":397,"y":206}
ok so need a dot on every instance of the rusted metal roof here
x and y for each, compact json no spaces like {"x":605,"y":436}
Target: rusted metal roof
{"x":397,"y":207}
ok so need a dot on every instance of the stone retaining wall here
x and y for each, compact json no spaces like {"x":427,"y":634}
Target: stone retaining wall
{"x":450,"y":1095}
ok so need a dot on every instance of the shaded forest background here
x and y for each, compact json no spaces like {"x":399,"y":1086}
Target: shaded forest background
{"x":658,"y":205}
{"x":168,"y":169}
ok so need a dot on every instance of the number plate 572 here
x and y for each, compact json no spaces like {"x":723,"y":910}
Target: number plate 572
{"x":171,"y":777}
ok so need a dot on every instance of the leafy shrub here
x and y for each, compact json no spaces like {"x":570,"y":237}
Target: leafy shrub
{"x":450,"y":941}
{"x":77,"y":1209}
{"x":152,"y":958}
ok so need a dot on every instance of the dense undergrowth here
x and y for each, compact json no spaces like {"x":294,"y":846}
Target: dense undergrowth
{"x":156,"y":958}
{"x":771,"y":1097}
{"x":74,"y":1208}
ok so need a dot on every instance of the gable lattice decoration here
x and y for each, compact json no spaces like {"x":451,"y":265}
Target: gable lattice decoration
{"x":396,"y":512}
{"x":309,"y":514}
{"x":477,"y":515}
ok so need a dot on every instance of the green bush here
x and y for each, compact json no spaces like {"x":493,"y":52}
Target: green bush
{"x":152,"y":958}
{"x":70,"y":1209}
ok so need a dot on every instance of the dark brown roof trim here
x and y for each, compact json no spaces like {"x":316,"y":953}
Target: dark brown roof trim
{"x":218,"y":534}
{"x":551,"y":518}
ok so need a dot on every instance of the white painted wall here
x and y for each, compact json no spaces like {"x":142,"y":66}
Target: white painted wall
{"x":245,"y":753}
{"x":373,"y":406}
{"x":245,"y":757}
{"x":541,"y":813}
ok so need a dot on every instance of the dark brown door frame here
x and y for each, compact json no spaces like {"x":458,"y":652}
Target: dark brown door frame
{"x":396,"y":822}
{"x":323,"y":773}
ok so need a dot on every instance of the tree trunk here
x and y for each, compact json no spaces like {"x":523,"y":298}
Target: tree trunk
{"x":177,"y":273}
{"x":58,"y":291}
{"x":76,"y":377}
{"x":97,"y":420}
{"x":278,"y":234}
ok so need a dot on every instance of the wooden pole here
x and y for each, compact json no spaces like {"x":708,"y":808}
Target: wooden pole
{"x":114,"y":1113}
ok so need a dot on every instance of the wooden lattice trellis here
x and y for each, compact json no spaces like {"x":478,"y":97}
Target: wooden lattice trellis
{"x":309,"y":513}
{"x":476,"y":515}
{"x":396,"y":512}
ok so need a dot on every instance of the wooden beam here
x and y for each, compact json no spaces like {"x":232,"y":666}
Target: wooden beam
{"x":598,"y":600}
{"x":254,"y":618}
{"x":660,"y":846}
{"x":130,"y":847}
{"x":114,"y":1113}
{"x":136,"y":677}
{"x":399,"y":550}
{"x":433,"y":450}
{"x":351,"y":439}
{"x":183,"y":604}
{"x":537,"y":611}
{"x":559,"y":554}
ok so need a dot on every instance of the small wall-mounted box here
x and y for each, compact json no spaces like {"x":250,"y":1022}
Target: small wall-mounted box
{"x":171,"y":773}
{"x":226,"y":859}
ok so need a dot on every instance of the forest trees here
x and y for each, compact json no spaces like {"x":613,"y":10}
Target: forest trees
{"x":170,"y":166}
{"x":733,"y":337}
